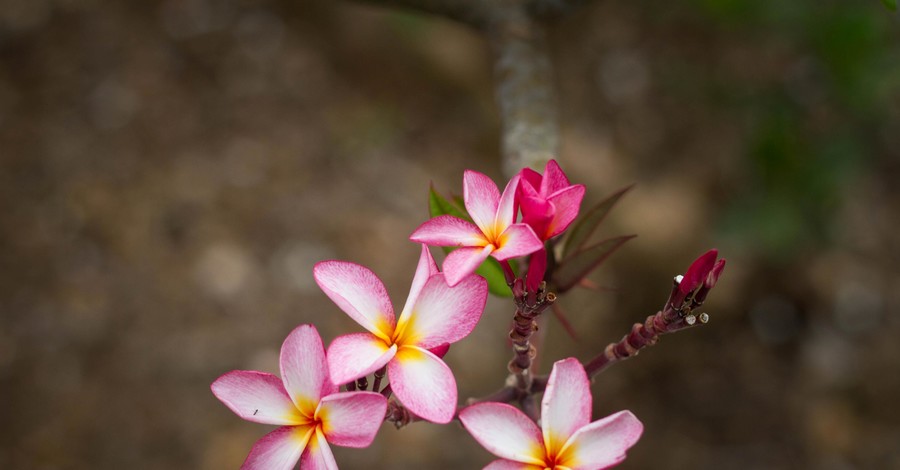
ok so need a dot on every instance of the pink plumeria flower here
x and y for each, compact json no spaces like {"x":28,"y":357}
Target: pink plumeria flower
{"x":494,"y":233}
{"x":435,"y":315}
{"x":567,"y":439}
{"x":305,"y":403}
{"x":549,"y":203}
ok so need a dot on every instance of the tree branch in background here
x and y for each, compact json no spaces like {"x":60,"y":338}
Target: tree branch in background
{"x":523,"y":71}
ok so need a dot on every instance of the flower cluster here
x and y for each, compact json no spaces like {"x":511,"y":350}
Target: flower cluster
{"x":443,"y":307}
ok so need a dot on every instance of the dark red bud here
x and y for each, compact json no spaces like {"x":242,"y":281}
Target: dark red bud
{"x":714,"y":274}
{"x":698,"y":271}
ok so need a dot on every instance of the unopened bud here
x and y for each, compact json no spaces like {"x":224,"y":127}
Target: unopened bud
{"x":690,"y":319}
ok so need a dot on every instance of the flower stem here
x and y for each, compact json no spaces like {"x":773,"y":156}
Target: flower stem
{"x":528,"y":306}
{"x":379,"y":374}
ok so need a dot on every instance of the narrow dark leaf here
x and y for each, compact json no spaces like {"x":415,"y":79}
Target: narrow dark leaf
{"x":588,"y":222}
{"x":574,"y":268}
{"x":437,"y":206}
{"x":561,"y":316}
{"x":890,"y":4}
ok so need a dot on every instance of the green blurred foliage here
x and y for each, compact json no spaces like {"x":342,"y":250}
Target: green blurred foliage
{"x":813,"y":130}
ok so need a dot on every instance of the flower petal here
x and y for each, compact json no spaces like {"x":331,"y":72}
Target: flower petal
{"x":304,"y":369}
{"x":462,"y":262}
{"x":566,"y":406}
{"x":424,"y":270}
{"x":481,"y":197}
{"x":538,"y":213}
{"x":503,"y":464}
{"x":554,"y":179}
{"x":359,"y":293}
{"x":356,"y":355}
{"x":602,"y":443}
{"x":517,"y":240}
{"x":257,"y":396}
{"x":506,"y":209}
{"x":351,"y":419}
{"x":567,"y":204}
{"x":447,"y":230}
{"x":280,"y":449}
{"x":444,"y":314}
{"x":530,"y":180}
{"x":424,"y":384}
{"x":317,"y":455}
{"x":505,"y":432}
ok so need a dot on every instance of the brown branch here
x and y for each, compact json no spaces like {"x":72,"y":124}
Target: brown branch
{"x":524,"y":84}
{"x":525,"y":92}
{"x":670,"y":319}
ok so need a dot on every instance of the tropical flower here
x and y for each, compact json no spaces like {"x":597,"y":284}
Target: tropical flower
{"x":549,"y":203}
{"x":306,"y":404}
{"x":435,"y":315}
{"x":566,"y":440}
{"x":494,"y":232}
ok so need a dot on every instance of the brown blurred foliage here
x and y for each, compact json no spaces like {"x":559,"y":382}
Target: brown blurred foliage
{"x":171,"y":170}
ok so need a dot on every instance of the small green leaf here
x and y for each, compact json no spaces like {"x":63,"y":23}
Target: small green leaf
{"x":492,"y":271}
{"x":437,"y":206}
{"x":587,"y":223}
{"x":574,"y":268}
{"x":890,"y":4}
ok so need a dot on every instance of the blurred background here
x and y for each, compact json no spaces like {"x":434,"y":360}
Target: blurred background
{"x":171,"y":170}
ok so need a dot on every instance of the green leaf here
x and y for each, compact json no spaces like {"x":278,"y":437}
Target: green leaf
{"x":890,"y":4}
{"x":437,"y":206}
{"x":492,"y":271}
{"x":587,"y":223}
{"x":574,"y":268}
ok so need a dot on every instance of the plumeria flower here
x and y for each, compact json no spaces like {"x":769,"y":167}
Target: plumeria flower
{"x":549,"y":203}
{"x":434,"y":316}
{"x":494,"y":232}
{"x":305,"y":403}
{"x":566,"y":441}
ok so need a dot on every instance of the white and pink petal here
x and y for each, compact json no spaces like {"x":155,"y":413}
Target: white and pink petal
{"x":517,"y":240}
{"x":481,"y":197}
{"x":444,"y":314}
{"x":505,"y":432}
{"x":503,"y":464}
{"x":258,"y":397}
{"x":317,"y":455}
{"x":566,"y":405}
{"x":352,"y":419}
{"x":603,"y":443}
{"x":447,"y":230}
{"x":462,"y":262}
{"x":424,"y":270}
{"x":280,"y":449}
{"x":359,"y":293}
{"x":506,"y":209}
{"x":424,"y":384}
{"x":304,"y":369}
{"x":356,"y":355}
